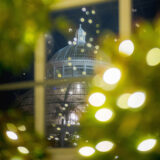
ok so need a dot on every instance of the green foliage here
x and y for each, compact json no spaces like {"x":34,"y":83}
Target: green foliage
{"x":22,"y":125}
{"x":130,"y":126}
{"x":20,"y":24}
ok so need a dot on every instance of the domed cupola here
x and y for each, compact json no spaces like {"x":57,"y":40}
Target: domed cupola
{"x":75,"y":60}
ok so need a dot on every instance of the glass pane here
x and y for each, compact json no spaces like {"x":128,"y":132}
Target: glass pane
{"x":72,"y":49}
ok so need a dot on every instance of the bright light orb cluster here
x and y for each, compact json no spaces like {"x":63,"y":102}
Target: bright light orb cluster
{"x":12,"y":135}
{"x":122,"y":101}
{"x":23,"y":150}
{"x":97,"y":99}
{"x":126,"y":47}
{"x":86,"y":151}
{"x":147,"y":145}
{"x":136,"y":99}
{"x":104,"y":146}
{"x":153,"y":57}
{"x":104,"y":114}
{"x":112,"y":75}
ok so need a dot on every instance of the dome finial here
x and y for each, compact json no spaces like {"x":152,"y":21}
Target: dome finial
{"x":81,"y":36}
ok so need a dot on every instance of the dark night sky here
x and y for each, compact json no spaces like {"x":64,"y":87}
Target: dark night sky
{"x":106,"y":16}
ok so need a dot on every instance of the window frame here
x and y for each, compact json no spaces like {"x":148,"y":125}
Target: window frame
{"x":40,"y":83}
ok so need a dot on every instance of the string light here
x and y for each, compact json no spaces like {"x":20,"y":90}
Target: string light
{"x":70,"y":30}
{"x":84,"y":9}
{"x":104,"y":114}
{"x":122,"y":101}
{"x":22,"y":128}
{"x":126,"y":47}
{"x":112,"y":75}
{"x":93,"y":12}
{"x":147,"y":145}
{"x":82,"y":19}
{"x":136,"y":99}
{"x":70,"y":42}
{"x":153,"y":57}
{"x":104,"y":146}
{"x":89,"y":45}
{"x":97,"y":99}
{"x":90,"y":21}
{"x":12,"y":135}
{"x":23,"y":150}
{"x":86,"y":151}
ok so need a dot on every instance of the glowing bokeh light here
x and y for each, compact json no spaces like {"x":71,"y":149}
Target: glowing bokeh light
{"x":147,"y":145}
{"x":86,"y":151}
{"x":153,"y":57}
{"x":104,"y":114}
{"x":84,"y":9}
{"x":12,"y":135}
{"x":136,"y":99}
{"x":90,"y":21}
{"x":22,"y":128}
{"x":93,"y":12}
{"x":112,"y":75}
{"x":23,"y":150}
{"x":122,"y":101}
{"x":104,"y":146}
{"x":89,"y":45}
{"x":70,"y":42}
{"x":126,"y":47}
{"x":97,"y":31}
{"x":97,"y":99}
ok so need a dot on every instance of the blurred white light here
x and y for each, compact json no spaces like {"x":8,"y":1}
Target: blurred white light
{"x":82,"y":50}
{"x":112,"y":75}
{"x":84,"y":9}
{"x":86,"y":151}
{"x":78,"y":86}
{"x":56,"y":138}
{"x":87,"y":13}
{"x":83,"y":73}
{"x":66,"y":105}
{"x":93,"y":12}
{"x":126,"y":47}
{"x":104,"y":146}
{"x":147,"y":145}
{"x":69,"y":64}
{"x":74,"y":68}
{"x":73,"y":117}
{"x":22,"y":128}
{"x":104,"y":114}
{"x":122,"y":101}
{"x":97,"y":99}
{"x":89,"y":45}
{"x":23,"y":150}
{"x":74,"y":42}
{"x":153,"y":57}
{"x":90,"y":21}
{"x":75,"y":38}
{"x":70,"y":42}
{"x":12,"y":135}
{"x":97,"y":47}
{"x":70,"y":29}
{"x":97,"y":31}
{"x":82,"y":19}
{"x":136,"y":99}
{"x":70,"y":92}
{"x":91,"y":39}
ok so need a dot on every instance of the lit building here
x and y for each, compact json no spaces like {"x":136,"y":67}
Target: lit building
{"x":65,"y":103}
